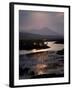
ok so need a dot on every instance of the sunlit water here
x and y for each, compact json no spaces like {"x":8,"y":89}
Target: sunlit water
{"x":40,"y":62}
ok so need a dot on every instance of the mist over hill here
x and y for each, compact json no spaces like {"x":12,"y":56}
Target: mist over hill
{"x":44,"y":33}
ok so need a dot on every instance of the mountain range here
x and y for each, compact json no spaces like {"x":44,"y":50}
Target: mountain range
{"x":44,"y":33}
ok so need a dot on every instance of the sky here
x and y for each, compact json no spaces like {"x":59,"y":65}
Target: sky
{"x":37,"y":20}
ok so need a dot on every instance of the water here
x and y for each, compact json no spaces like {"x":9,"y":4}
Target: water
{"x":44,"y":63}
{"x":53,"y":47}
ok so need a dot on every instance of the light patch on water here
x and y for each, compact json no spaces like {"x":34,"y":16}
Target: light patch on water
{"x":51,"y":43}
{"x":40,"y":72}
{"x":39,"y":69}
{"x":56,"y":47}
{"x":53,"y":47}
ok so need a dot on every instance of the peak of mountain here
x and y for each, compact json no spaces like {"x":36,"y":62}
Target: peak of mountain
{"x":42,"y":31}
{"x":47,"y":31}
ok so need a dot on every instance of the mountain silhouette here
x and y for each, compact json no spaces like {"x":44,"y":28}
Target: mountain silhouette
{"x":43,"y":31}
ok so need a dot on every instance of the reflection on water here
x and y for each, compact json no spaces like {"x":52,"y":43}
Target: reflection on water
{"x":39,"y":69}
{"x":41,"y":63}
